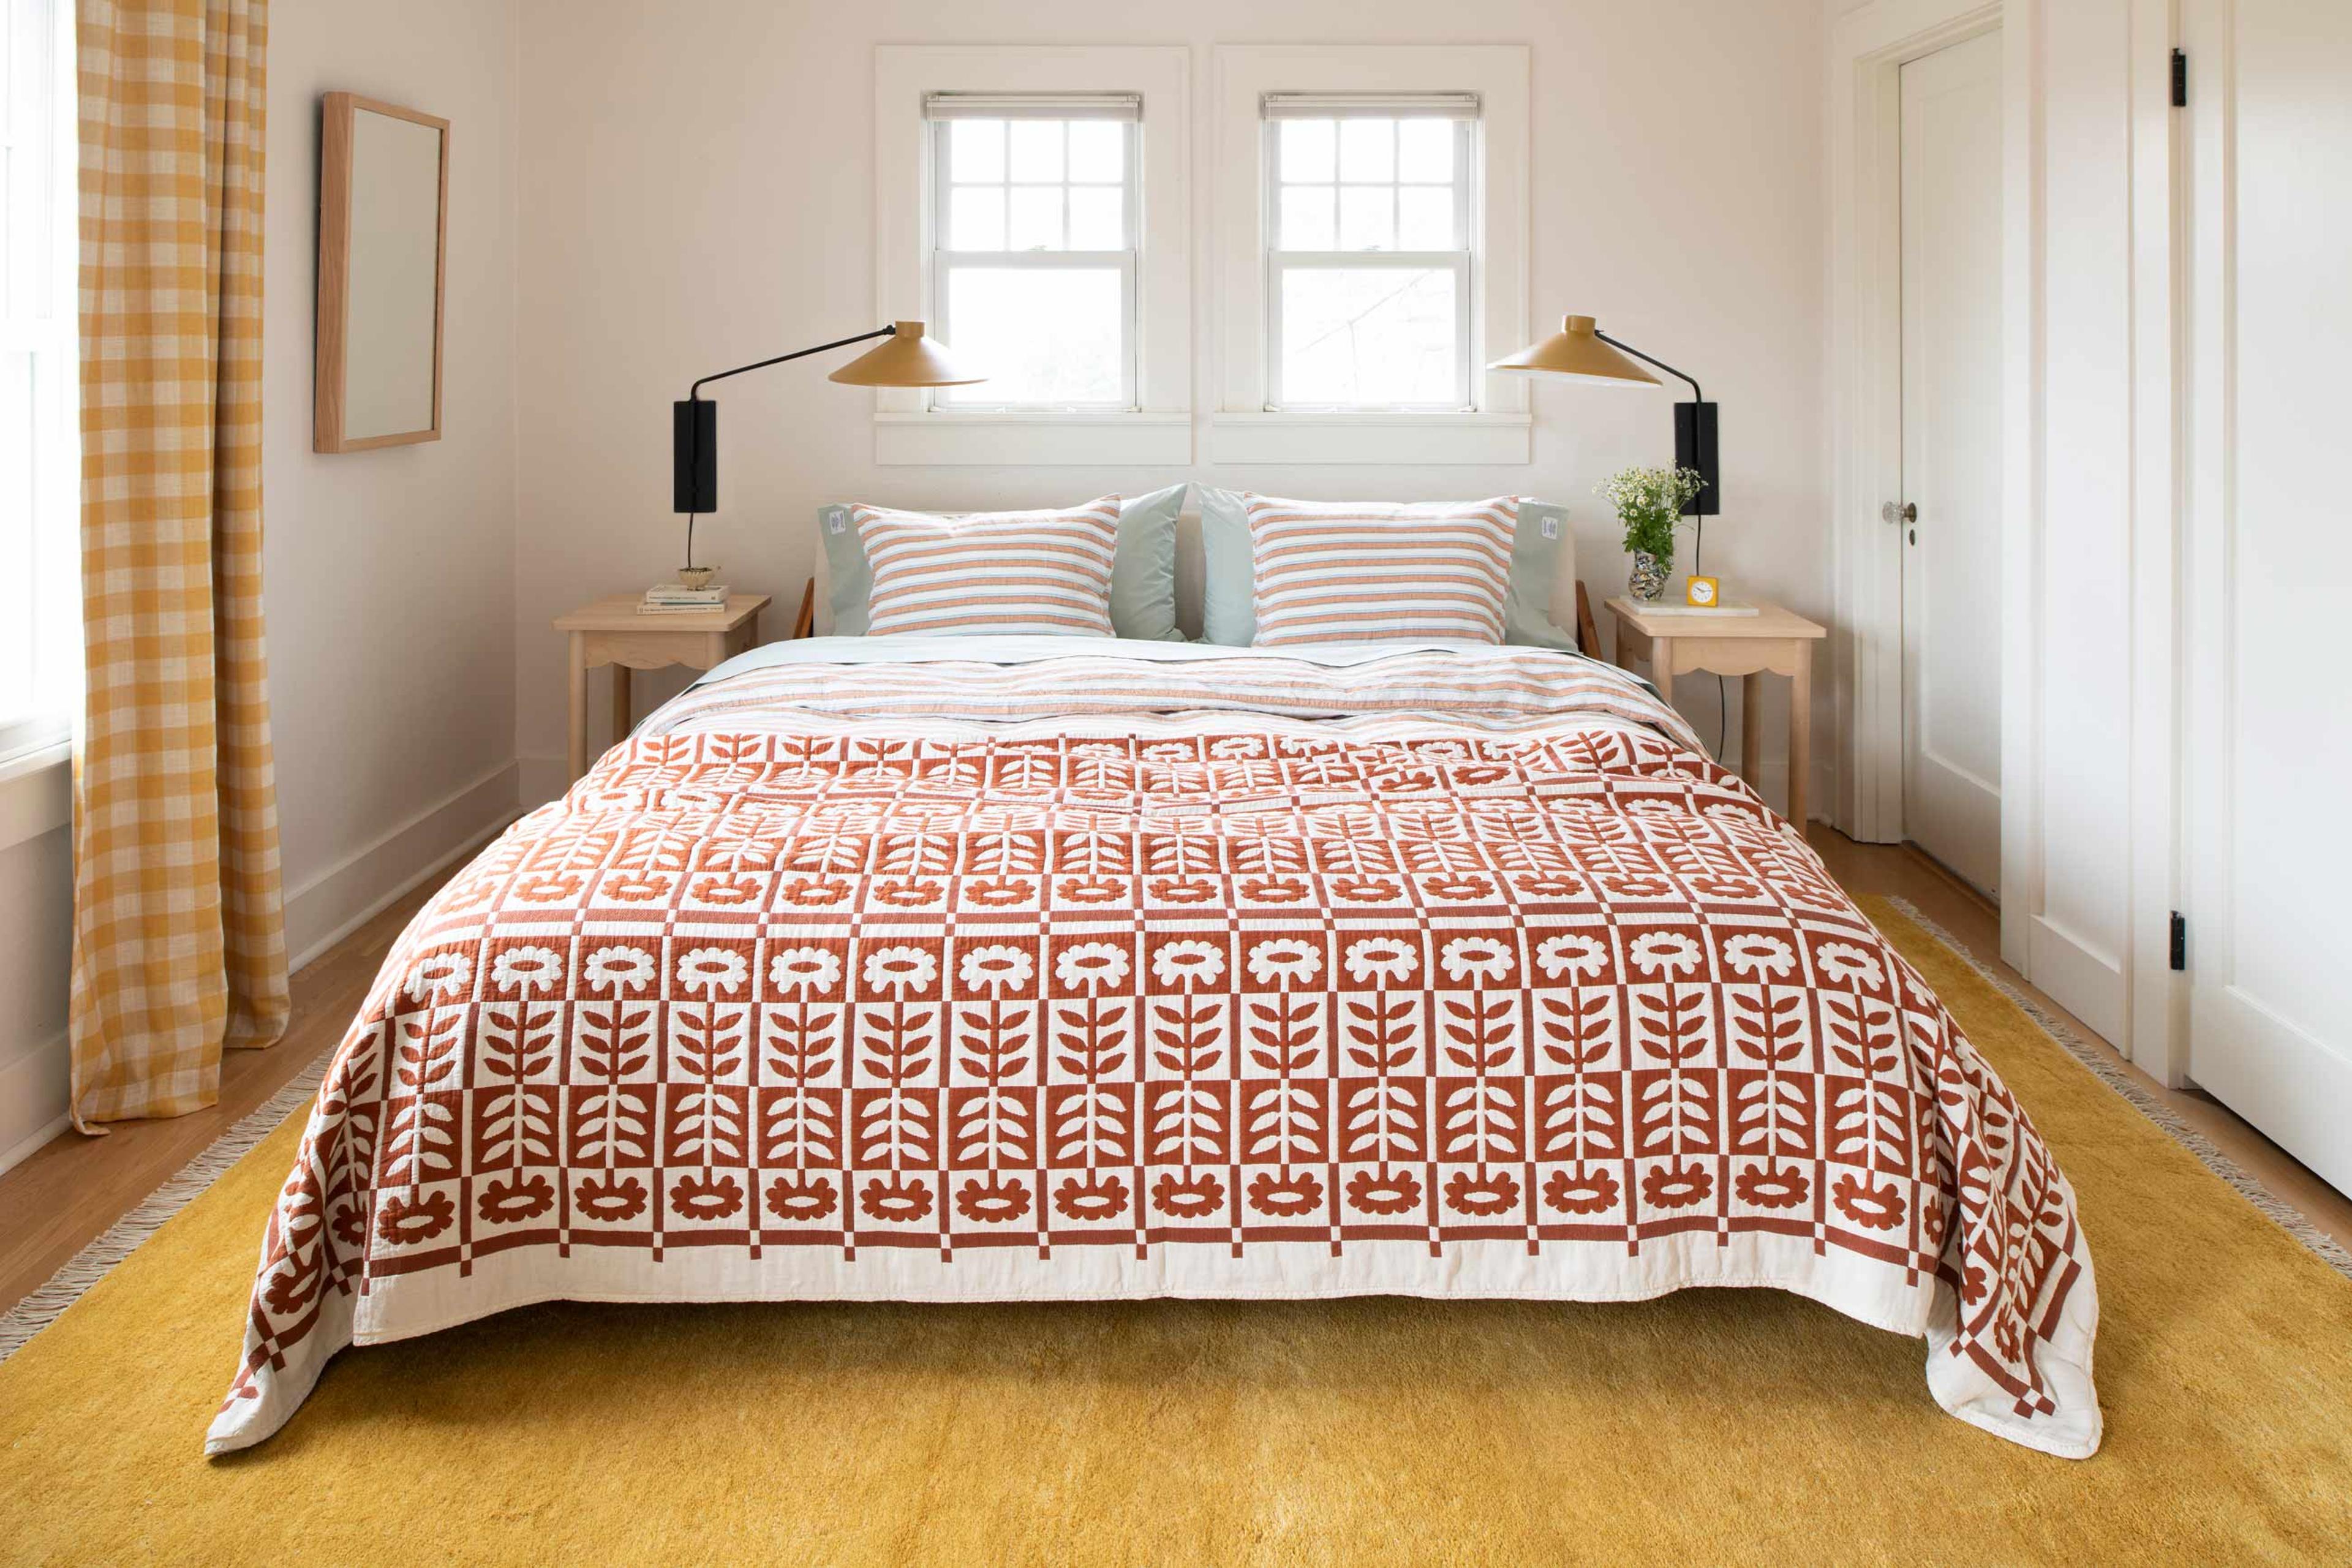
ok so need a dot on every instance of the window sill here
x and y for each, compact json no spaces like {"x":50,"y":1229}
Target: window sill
{"x":1360,"y":438}
{"x":36,"y":793}
{"x":1015,"y":439}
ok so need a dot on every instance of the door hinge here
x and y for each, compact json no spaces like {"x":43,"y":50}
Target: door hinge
{"x":2179,"y":80}
{"x":2180,"y":941}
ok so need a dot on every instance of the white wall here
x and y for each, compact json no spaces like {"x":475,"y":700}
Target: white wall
{"x":388,"y":576}
{"x":696,"y":191}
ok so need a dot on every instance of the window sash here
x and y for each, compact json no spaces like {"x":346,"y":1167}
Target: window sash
{"x":1279,"y":262}
{"x":945,"y":262}
{"x":40,"y":450}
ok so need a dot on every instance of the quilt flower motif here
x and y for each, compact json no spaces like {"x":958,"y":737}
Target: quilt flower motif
{"x":618,"y":969}
{"x":1286,"y":961}
{"x":526,"y":969}
{"x":898,"y":970}
{"x":1187,"y":964}
{"x":1383,"y":959}
{"x":1090,"y":966}
{"x":995,"y":968}
{"x":1481,"y":956}
{"x":804,"y":971}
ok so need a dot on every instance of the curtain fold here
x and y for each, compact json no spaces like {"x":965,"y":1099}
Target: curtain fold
{"x":179,"y":935}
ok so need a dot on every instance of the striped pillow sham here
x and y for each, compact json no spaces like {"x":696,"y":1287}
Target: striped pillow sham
{"x":1045,"y":572}
{"x":1358,"y":571}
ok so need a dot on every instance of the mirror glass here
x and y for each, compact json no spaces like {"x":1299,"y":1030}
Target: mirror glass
{"x":395,"y":194}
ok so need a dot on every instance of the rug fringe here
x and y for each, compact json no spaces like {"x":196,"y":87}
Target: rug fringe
{"x":92,"y":1263}
{"x":2108,"y":1069}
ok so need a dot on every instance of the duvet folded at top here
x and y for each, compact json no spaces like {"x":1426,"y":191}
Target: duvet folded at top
{"x":983,"y":973}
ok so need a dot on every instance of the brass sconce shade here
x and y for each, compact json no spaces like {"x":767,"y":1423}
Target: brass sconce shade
{"x":907,"y":358}
{"x":1577,"y":350}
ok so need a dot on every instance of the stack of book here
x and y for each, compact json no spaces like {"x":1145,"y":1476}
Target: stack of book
{"x":677,"y":599}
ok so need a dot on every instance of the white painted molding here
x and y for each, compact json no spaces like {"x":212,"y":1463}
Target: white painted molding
{"x":355,"y":889}
{"x":36,"y":794}
{"x":2022,"y":477}
{"x":1096,"y":440}
{"x":2091,"y":981}
{"x":33,"y":1099}
{"x":1360,"y":438}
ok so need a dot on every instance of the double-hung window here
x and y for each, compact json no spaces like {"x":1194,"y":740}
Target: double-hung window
{"x":1036,"y":215}
{"x":1031,"y":203}
{"x":40,"y":450}
{"x":1369,"y":259}
{"x":1369,"y":254}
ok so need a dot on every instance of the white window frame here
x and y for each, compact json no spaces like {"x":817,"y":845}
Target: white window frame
{"x":1124,"y":258}
{"x":1461,"y":263}
{"x":1157,"y":428}
{"x":1494,"y":429}
{"x":39,"y":321}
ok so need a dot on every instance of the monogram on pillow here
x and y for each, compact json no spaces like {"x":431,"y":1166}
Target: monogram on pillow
{"x":1357,"y":571}
{"x":990,"y":571}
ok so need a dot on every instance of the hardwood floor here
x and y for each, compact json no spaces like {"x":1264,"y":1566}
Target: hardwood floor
{"x":74,"y":1188}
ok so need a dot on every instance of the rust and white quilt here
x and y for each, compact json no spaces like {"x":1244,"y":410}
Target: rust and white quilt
{"x":988,"y":969}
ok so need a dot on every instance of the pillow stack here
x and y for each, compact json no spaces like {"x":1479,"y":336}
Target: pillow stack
{"x":999,"y":571}
{"x":1358,"y":571}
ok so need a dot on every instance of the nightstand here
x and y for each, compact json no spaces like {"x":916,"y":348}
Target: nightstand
{"x":1773,"y":641}
{"x":614,"y":631}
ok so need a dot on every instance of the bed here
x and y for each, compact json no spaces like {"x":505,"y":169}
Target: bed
{"x":993,"y":968}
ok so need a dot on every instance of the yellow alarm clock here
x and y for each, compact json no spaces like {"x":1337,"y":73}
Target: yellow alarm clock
{"x":1702,"y":593}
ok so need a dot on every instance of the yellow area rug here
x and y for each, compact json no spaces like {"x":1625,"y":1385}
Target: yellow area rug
{"x":1712,"y":1427}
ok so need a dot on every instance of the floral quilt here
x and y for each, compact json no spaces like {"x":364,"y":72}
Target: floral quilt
{"x":981,"y":973}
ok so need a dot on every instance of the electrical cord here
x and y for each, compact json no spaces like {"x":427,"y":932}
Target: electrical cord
{"x":1722,"y":692}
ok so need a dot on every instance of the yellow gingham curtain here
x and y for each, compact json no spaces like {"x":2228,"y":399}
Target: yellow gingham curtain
{"x":179,"y":939}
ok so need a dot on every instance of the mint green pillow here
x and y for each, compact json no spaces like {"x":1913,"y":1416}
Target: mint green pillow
{"x":1229,"y":606}
{"x":1142,"y":568}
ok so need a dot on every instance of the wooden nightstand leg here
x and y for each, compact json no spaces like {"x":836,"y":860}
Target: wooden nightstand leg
{"x":1801,"y":732}
{"x":620,"y":703}
{"x":1751,"y":728}
{"x":576,"y":752}
{"x":1662,"y":667}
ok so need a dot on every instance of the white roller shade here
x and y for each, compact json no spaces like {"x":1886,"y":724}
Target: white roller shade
{"x":1369,"y":105}
{"x":1033,"y":106}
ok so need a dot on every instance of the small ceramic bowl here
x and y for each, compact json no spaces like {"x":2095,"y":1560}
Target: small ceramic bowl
{"x":697,"y":576}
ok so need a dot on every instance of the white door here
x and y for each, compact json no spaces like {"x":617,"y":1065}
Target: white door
{"x":2269,"y":574}
{"x":1951,"y":457}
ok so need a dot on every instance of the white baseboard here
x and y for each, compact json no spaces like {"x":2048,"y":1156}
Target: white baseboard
{"x":32,"y":1100}
{"x":347,"y":895}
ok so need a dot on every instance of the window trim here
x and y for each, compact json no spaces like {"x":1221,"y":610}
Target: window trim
{"x":1496,"y":428}
{"x":1158,"y":430}
{"x":1126,"y":260}
{"x":43,"y":329}
{"x":1461,"y":263}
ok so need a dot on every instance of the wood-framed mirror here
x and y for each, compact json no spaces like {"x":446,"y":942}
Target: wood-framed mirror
{"x":384,"y":223}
